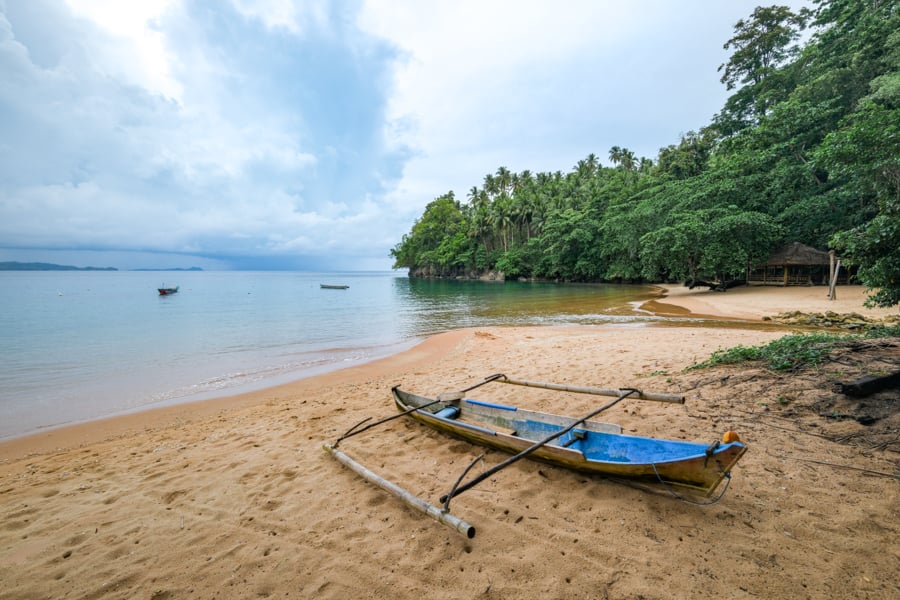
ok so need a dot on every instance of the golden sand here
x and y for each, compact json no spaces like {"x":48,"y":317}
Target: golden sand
{"x":235,"y":498}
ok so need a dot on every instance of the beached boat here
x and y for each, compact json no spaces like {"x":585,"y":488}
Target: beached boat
{"x":580,"y":444}
{"x":167,"y":291}
{"x":576,"y":443}
{"x":326,"y":286}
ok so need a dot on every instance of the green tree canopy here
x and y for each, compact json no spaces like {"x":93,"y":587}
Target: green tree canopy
{"x":807,"y":149}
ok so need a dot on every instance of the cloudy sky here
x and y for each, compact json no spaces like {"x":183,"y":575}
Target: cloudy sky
{"x":310,"y":134}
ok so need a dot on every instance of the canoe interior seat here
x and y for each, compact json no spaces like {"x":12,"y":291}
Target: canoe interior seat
{"x":499,"y":428}
{"x":573,"y":436}
{"x":448,"y":412}
{"x":452,"y":413}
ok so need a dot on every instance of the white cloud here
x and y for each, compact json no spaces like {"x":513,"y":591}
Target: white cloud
{"x":280,"y":128}
{"x":476,"y":70}
{"x":539,"y":85}
{"x":294,"y":17}
{"x":135,"y":50}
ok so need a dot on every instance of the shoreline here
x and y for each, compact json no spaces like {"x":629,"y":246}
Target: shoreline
{"x":740,"y":304}
{"x":235,"y":497}
{"x":142,"y":421}
{"x":755,"y":303}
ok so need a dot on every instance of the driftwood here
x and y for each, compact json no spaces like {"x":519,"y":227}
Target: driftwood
{"x":716,"y":286}
{"x":700,"y":283}
{"x":868,"y":385}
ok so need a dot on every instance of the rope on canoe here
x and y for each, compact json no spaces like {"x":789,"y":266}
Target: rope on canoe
{"x":688,"y":500}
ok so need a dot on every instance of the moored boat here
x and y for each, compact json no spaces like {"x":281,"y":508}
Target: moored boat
{"x":167,"y":291}
{"x":326,"y":286}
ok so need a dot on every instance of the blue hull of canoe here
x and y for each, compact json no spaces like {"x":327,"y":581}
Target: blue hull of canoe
{"x":592,"y":447}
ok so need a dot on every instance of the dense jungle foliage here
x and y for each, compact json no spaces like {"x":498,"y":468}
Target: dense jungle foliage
{"x":806,"y":149}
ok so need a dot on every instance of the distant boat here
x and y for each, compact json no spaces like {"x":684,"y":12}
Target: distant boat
{"x":326,"y":286}
{"x":167,"y":291}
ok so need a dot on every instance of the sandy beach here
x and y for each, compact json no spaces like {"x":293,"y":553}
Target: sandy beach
{"x":236,"y":498}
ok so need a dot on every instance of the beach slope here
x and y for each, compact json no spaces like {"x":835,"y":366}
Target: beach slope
{"x":235,"y":498}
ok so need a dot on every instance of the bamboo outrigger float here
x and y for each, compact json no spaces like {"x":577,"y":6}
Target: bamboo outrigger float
{"x":576,"y":443}
{"x":438,"y":514}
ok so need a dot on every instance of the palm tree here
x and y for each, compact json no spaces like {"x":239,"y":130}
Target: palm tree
{"x":479,"y":214}
{"x":587,"y":167}
{"x":628,"y":160}
{"x":615,"y":155}
{"x":491,"y":185}
{"x":504,"y":180}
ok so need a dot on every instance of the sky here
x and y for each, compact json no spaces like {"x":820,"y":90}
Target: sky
{"x":310,"y":135}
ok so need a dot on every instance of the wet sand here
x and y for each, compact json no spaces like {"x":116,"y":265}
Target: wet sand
{"x":757,"y":302}
{"x":235,"y":498}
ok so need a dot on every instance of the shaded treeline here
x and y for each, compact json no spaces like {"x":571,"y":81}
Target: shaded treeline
{"x":806,"y":149}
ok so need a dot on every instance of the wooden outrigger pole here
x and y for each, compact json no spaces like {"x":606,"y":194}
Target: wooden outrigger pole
{"x":674,"y":398}
{"x":441,"y":515}
{"x":438,"y":514}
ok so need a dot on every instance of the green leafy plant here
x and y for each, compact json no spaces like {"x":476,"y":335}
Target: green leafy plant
{"x":882,"y":331}
{"x":788,"y":353}
{"x":794,"y":352}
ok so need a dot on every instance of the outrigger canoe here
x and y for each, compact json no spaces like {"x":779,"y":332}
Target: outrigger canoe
{"x":588,"y":446}
{"x":577,"y":443}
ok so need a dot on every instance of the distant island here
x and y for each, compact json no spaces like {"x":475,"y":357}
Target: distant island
{"x":37,"y":266}
{"x":172,"y":269}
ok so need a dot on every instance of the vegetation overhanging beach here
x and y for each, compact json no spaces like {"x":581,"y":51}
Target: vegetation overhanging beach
{"x":236,"y":498}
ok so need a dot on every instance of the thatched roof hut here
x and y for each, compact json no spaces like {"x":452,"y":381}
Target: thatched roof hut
{"x":795,"y":253}
{"x":793,"y":264}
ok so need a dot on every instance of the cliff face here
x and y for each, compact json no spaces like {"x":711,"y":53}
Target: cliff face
{"x":429,"y":273}
{"x":500,"y":276}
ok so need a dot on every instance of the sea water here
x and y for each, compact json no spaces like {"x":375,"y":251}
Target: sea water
{"x":82,"y":345}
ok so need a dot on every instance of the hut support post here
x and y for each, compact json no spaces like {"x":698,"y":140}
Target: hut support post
{"x":833,"y":269}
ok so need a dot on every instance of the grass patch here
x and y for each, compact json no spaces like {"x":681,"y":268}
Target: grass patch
{"x":882,"y":331}
{"x":792,"y":352}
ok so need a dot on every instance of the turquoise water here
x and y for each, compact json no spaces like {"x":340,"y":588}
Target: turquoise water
{"x":83,"y":345}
